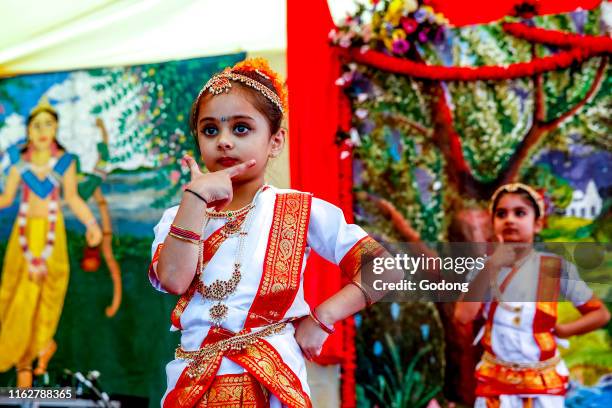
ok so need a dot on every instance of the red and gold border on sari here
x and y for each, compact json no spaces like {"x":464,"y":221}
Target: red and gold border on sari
{"x":260,"y":359}
{"x":263,"y":361}
{"x":488,"y":328}
{"x":494,"y":402}
{"x":235,"y":391}
{"x":188,"y":391}
{"x":493,"y":379}
{"x":352,"y":261}
{"x":545,"y":318}
{"x":153,"y":264}
{"x":282,"y":267}
{"x":594,"y":303}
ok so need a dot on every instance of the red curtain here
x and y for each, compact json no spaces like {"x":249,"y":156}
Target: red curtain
{"x":316,"y":111}
{"x":313,"y":119}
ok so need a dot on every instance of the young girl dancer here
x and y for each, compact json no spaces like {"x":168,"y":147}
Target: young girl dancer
{"x":239,"y":271}
{"x":521,"y":366}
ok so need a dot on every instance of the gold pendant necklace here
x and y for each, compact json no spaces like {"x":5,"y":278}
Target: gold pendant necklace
{"x":219,"y":290}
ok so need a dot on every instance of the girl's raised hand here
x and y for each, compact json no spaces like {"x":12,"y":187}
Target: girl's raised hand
{"x":215,"y":187}
{"x":504,"y":254}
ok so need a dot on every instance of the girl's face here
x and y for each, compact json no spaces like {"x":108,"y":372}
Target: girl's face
{"x":515,"y":220}
{"x":42,"y":130}
{"x":231,"y":131}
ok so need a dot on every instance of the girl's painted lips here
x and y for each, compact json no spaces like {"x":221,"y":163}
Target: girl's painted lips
{"x":228,"y":161}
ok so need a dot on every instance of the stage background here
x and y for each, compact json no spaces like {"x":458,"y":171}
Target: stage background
{"x":144,"y":110}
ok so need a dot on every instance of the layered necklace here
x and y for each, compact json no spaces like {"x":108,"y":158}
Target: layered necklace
{"x":238,"y":224}
{"x":37,"y":263}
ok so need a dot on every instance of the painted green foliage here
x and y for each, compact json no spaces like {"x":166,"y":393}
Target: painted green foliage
{"x":154,"y":102}
{"x":394,"y":116}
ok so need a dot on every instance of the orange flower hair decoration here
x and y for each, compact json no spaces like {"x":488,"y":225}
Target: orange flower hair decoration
{"x":221,"y":82}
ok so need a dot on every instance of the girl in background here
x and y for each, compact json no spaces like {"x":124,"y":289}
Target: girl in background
{"x":521,"y":365}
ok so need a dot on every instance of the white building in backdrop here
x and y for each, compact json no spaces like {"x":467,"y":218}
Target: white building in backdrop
{"x":585,"y":204}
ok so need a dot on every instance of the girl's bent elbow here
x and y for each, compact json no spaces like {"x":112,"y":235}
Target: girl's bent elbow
{"x":173,"y":287}
{"x":170,"y":284}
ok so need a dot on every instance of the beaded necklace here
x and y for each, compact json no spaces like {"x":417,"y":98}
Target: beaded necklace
{"x":238,"y":223}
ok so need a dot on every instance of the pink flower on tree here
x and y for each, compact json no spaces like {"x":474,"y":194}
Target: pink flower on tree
{"x":409,"y":25}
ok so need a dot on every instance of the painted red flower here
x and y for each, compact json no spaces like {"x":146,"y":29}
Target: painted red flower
{"x":409,"y":25}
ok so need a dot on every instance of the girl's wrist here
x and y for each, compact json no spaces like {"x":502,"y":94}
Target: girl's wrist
{"x":201,"y":198}
{"x":323,"y":321}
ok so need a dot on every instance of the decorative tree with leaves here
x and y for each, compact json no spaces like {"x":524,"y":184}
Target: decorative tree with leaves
{"x":151,"y":104}
{"x":442,"y":116}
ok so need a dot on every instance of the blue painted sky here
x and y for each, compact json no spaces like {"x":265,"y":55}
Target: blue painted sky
{"x":28,"y":96}
{"x":582,"y":166}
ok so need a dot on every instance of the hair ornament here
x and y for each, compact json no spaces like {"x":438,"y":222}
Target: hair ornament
{"x":515,"y":187}
{"x":221,"y":82}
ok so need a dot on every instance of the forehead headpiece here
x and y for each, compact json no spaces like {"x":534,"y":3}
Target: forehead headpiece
{"x":516,"y":187}
{"x":222,"y":82}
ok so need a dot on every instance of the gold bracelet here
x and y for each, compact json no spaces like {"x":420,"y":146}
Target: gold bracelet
{"x":191,"y":241}
{"x":366,"y":295}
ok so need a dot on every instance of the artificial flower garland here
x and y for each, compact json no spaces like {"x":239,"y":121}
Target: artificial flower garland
{"x":594,"y":43}
{"x":582,"y":47}
{"x":37,"y":262}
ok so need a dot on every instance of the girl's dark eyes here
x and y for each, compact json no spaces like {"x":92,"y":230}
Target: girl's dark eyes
{"x":241,"y":129}
{"x":210,"y":130}
{"x":518,"y":213}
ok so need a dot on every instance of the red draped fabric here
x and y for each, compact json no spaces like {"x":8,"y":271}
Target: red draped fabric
{"x":313,"y":120}
{"x":315,"y":114}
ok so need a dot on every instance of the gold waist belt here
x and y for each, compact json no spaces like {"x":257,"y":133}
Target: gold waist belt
{"x":199,"y":359}
{"x":537,"y":366}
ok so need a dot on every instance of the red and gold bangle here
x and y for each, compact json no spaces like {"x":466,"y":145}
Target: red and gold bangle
{"x":188,"y":240}
{"x":179,"y":232}
{"x":327,"y":329}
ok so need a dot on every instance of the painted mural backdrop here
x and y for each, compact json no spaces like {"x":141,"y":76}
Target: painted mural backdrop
{"x":123,"y":129}
{"x":441,"y":117}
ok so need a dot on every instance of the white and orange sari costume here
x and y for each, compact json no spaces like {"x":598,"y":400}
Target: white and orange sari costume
{"x":521,"y":365}
{"x":267,"y":370}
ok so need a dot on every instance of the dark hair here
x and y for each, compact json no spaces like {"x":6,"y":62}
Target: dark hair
{"x":273,"y":115}
{"x":524,"y":194}
{"x":31,"y":118}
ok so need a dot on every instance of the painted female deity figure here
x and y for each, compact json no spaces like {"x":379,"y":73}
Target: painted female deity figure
{"x":36,"y":266}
